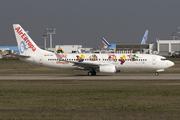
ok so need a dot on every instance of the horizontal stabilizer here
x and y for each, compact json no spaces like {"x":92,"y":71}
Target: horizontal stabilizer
{"x":24,"y":56}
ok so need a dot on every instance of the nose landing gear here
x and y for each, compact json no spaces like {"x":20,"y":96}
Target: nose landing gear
{"x":156,"y":73}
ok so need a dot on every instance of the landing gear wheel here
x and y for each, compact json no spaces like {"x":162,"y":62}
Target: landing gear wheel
{"x":156,"y":73}
{"x":93,"y":73}
{"x":89,"y":73}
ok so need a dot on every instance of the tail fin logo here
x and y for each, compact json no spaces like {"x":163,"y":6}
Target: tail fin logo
{"x":25,"y":42}
{"x":23,"y":47}
{"x":145,"y":39}
{"x":105,"y":43}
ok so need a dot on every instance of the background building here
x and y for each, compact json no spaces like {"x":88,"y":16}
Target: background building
{"x":134,"y":48}
{"x":68,"y":48}
{"x":164,"y":47}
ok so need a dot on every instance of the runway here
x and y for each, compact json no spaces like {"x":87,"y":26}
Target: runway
{"x":85,"y":77}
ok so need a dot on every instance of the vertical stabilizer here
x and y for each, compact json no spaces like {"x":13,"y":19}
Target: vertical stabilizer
{"x":105,"y":43}
{"x":25,"y":44}
{"x":145,"y":37}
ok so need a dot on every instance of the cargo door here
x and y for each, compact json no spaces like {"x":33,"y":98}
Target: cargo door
{"x":40,"y":60}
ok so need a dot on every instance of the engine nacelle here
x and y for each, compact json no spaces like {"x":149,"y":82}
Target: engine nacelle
{"x":108,"y":69}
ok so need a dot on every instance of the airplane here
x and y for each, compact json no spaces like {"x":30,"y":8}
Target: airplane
{"x":112,"y":46}
{"x":104,"y":63}
{"x":14,"y":48}
{"x":107,"y":45}
{"x":145,"y":37}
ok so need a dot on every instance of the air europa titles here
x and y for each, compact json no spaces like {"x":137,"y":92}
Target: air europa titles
{"x":25,"y":38}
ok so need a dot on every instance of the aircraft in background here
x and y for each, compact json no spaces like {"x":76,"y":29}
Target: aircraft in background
{"x":105,"y":63}
{"x":107,"y":45}
{"x":112,"y":46}
{"x":13,"y":48}
{"x":145,"y":37}
{"x":9,"y":48}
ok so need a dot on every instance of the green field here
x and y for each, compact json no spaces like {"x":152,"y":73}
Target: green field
{"x":90,"y":100}
{"x":19,"y":67}
{"x":86,"y":100}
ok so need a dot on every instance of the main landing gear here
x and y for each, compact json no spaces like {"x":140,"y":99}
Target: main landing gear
{"x":92,"y":73}
{"x":156,"y":73}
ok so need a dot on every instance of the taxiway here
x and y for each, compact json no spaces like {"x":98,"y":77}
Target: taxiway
{"x":85,"y":77}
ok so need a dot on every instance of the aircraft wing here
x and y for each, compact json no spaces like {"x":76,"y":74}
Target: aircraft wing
{"x":85,"y":65}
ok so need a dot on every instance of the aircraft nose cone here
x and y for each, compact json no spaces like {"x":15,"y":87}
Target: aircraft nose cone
{"x":171,"y":64}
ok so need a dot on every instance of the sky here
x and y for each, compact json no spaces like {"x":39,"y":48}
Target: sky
{"x":84,"y":22}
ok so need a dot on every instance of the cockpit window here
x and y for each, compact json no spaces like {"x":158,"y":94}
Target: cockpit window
{"x":163,"y":59}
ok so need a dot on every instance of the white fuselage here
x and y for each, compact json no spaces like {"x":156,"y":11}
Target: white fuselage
{"x":121,"y":61}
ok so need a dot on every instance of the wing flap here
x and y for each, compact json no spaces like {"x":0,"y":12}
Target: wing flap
{"x":85,"y":65}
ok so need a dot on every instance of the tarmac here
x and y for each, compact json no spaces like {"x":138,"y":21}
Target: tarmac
{"x":85,"y":77}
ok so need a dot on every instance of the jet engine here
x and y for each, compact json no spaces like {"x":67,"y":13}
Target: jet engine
{"x":108,"y":69}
